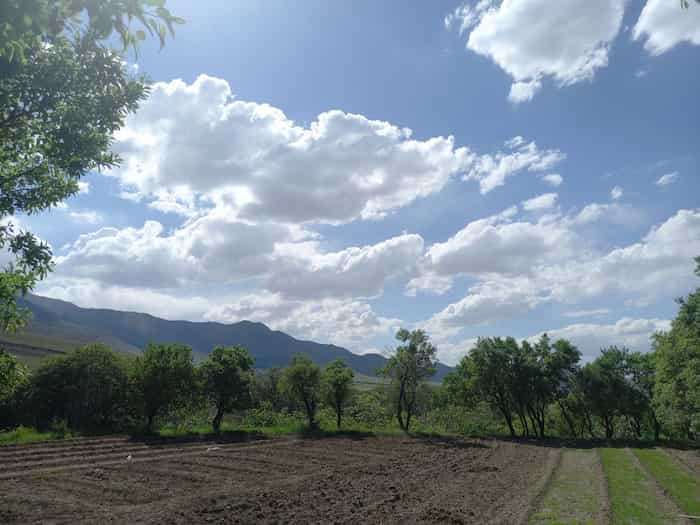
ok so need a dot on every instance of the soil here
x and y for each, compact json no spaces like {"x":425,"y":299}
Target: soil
{"x":689,"y":459}
{"x":329,"y":480}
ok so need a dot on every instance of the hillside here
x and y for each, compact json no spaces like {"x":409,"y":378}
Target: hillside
{"x":57,"y":324}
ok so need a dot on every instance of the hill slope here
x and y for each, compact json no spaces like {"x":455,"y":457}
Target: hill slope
{"x":129,"y":332}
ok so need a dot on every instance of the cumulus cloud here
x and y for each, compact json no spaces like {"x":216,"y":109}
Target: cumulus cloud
{"x":668,"y":178}
{"x":567,"y":41}
{"x":512,"y":283}
{"x":348,"y":323}
{"x":634,"y":334}
{"x":86,"y":217}
{"x":545,"y":201}
{"x":491,"y":171}
{"x":498,"y":245}
{"x":587,"y":313}
{"x":662,"y":25}
{"x":553,"y":179}
{"x":616,"y":193}
{"x":199,"y":139}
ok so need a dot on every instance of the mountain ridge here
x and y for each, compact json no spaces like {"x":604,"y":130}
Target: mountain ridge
{"x":131,"y":331}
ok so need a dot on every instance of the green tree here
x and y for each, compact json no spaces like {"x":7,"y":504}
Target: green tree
{"x":164,"y":378}
{"x":27,"y":24}
{"x":412,"y":363}
{"x":336,"y":381}
{"x":227,"y":376}
{"x":63,"y":94}
{"x":12,"y":374}
{"x":677,"y":381}
{"x":301,"y":381}
{"x":87,"y":388}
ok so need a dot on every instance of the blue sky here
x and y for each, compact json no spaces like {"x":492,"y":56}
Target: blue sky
{"x":549,"y":181}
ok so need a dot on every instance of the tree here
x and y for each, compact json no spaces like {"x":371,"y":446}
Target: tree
{"x":412,"y":363}
{"x":227,"y":380}
{"x":336,"y":381}
{"x":12,"y":374}
{"x":301,"y":381}
{"x":63,"y":94}
{"x":677,"y":380}
{"x":268,"y":389}
{"x":87,"y":388}
{"x":164,"y":377}
{"x":27,"y":24}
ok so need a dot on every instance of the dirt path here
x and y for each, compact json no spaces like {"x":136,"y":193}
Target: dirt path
{"x":577,"y":493}
{"x":334,"y":480}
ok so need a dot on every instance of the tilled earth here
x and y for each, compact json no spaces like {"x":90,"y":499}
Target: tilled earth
{"x":330,"y":480}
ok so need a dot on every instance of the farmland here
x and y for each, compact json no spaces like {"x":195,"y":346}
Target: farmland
{"x":341,"y":479}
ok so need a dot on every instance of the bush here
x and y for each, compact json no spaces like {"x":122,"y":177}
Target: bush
{"x":87,"y":388}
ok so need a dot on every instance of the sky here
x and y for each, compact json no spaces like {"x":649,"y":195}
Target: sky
{"x":337,"y":170}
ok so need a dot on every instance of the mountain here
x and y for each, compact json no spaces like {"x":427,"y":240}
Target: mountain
{"x":60,"y":323}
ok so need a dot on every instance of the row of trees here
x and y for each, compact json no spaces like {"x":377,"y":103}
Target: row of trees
{"x":94,"y":388}
{"x":648,"y":394}
{"x":536,"y":389}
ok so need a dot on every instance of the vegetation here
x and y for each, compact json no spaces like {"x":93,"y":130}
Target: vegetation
{"x":537,"y":389}
{"x":681,"y":486}
{"x":301,"y":381}
{"x":632,"y":498}
{"x":63,"y":94}
{"x":411,"y":365}
{"x":336,"y":381}
{"x":228,"y":379}
{"x":164,"y":379}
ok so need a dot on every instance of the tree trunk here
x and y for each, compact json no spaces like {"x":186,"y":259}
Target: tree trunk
{"x":217,"y":420}
{"x":399,"y":408}
{"x":340,"y":415}
{"x":567,"y":418}
{"x":657,"y":428}
{"x":149,"y":423}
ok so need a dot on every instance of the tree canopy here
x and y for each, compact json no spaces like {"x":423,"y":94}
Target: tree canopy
{"x":301,"y":381}
{"x":63,"y":94}
{"x":336,"y":381}
{"x":412,"y":363}
{"x":227,"y":375}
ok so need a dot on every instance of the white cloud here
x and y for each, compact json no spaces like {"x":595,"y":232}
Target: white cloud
{"x":348,"y":323}
{"x":668,"y":178}
{"x":616,"y":193}
{"x":634,"y":334}
{"x":491,"y":171}
{"x":545,"y":201}
{"x":535,"y":39}
{"x":198,"y":139}
{"x":496,"y":245}
{"x":486,"y":302}
{"x":587,"y":313}
{"x":521,"y":277}
{"x":662,"y":25}
{"x":553,"y":179}
{"x":611,"y":212}
{"x":86,"y":217}
{"x":352,"y":272}
{"x":83,"y":187}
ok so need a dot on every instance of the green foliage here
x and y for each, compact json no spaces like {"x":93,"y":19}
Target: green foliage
{"x":677,"y":380}
{"x":412,"y":364}
{"x":62,"y":96}
{"x":12,"y":375}
{"x":163,"y":378}
{"x":23,"y":434}
{"x":336,"y":382}
{"x":301,"y":381}
{"x":87,"y":388}
{"x":26,"y":24}
{"x":268,"y":390}
{"x":227,"y":377}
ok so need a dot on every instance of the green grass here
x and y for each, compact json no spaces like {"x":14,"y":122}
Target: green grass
{"x":572,"y":496}
{"x":632,"y":497}
{"x":680,"y":485}
{"x":29,"y":435}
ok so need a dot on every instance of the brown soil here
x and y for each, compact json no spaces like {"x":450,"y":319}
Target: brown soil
{"x":332,"y":480}
{"x":690,"y":459}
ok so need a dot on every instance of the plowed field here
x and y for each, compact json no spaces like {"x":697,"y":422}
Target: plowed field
{"x":331,"y":480}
